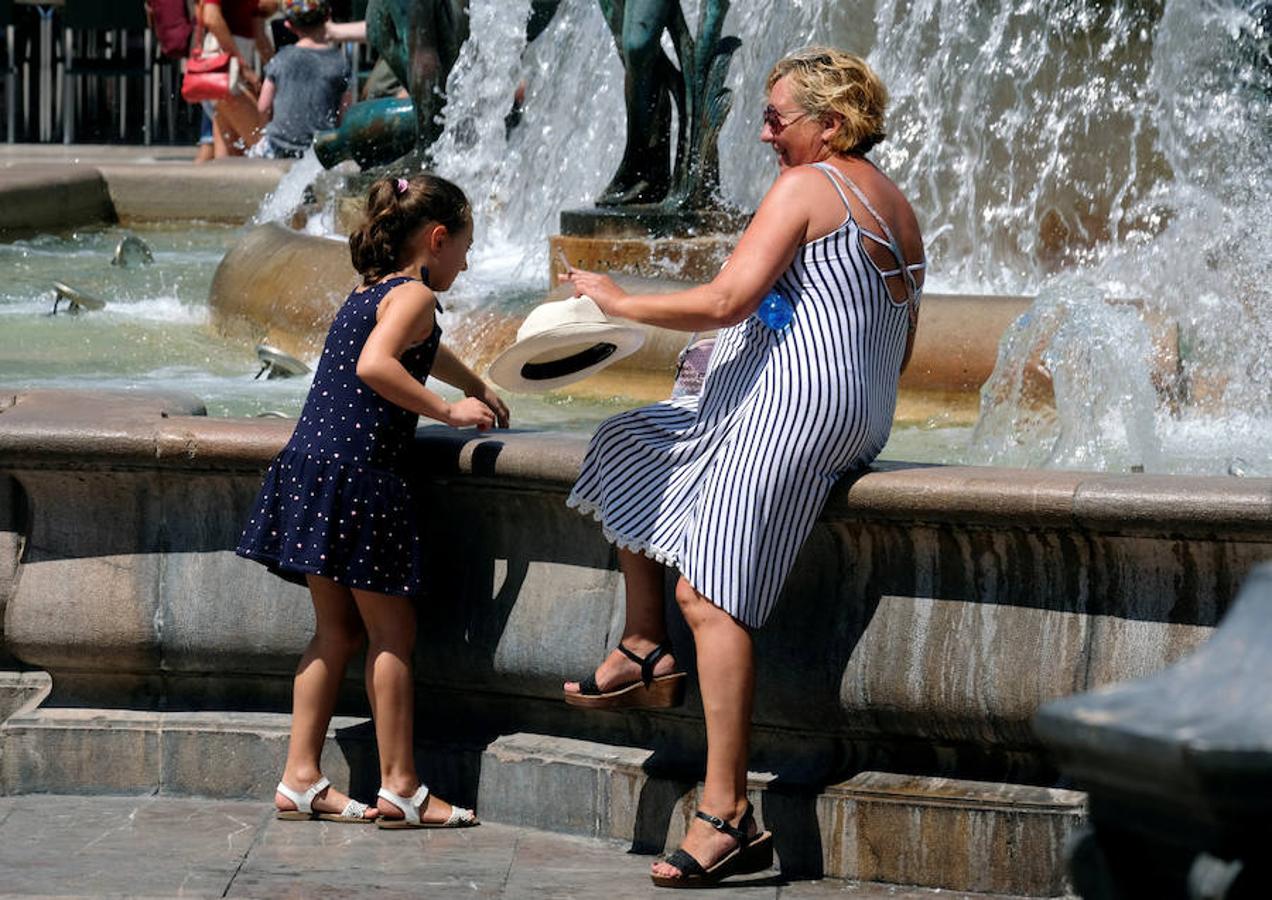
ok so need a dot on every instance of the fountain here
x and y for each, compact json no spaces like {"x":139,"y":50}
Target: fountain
{"x":1090,"y":175}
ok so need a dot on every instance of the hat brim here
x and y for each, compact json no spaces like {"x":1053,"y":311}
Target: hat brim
{"x":595,"y":345}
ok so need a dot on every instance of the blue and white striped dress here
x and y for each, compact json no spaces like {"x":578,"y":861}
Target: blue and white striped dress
{"x":725,"y":486}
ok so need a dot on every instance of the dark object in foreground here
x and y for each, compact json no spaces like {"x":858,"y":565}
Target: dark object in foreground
{"x":1179,"y":768}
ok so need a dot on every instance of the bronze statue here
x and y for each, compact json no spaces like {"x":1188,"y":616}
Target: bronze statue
{"x":652,"y":84}
{"x":420,"y":40}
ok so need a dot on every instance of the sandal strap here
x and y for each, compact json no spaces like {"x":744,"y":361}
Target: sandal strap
{"x":646,"y":663}
{"x":720,"y":825}
{"x":410,"y":807}
{"x":688,"y":866}
{"x":355,"y":810}
{"x":588,"y":686}
{"x":304,"y":801}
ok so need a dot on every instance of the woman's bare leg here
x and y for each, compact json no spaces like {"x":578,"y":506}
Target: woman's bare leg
{"x":338,"y":635}
{"x":239,"y":122}
{"x":390,"y":624}
{"x":726,"y":678}
{"x":645,"y":626}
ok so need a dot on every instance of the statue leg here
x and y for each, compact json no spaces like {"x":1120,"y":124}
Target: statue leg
{"x":644,"y":174}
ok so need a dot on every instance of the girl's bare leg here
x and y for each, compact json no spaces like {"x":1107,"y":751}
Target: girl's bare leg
{"x":645,"y":627}
{"x":338,"y":635}
{"x":726,"y":678}
{"x":390,"y":624}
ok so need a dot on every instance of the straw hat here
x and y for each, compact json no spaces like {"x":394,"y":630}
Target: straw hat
{"x":562,"y":342}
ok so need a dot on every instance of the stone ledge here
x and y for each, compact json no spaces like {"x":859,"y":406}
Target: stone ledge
{"x":52,"y":192}
{"x":55,"y":429}
{"x":229,"y":190}
{"x":941,"y":833}
{"x":41,"y":197}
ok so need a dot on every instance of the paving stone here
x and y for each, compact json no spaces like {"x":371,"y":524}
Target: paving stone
{"x":94,"y":846}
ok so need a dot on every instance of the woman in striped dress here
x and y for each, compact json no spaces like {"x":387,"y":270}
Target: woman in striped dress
{"x":725,"y":486}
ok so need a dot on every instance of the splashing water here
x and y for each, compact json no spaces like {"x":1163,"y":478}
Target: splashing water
{"x":1186,"y":231}
{"x":285,"y":199}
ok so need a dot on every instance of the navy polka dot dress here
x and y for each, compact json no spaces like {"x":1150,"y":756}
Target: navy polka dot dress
{"x":335,"y":501}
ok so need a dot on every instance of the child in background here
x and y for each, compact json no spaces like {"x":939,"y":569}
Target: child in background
{"x":306,"y":85}
{"x":335,"y":511}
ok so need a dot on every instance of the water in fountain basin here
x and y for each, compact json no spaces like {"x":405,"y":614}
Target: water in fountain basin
{"x":153,"y":332}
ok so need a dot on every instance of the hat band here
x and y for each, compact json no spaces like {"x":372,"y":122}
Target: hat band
{"x":567,"y":365}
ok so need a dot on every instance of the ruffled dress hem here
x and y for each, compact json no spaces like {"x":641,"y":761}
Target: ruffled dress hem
{"x":622,"y":541}
{"x":295,"y":574}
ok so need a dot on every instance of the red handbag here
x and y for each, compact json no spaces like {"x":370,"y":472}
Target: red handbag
{"x":211,"y":72}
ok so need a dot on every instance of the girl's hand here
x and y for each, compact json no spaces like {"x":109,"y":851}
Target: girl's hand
{"x":601,"y":288}
{"x":486,"y":394}
{"x":470,"y":411}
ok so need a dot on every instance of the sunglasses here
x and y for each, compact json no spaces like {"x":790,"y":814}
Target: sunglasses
{"x":773,"y":119}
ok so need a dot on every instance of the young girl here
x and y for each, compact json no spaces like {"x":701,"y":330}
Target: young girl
{"x":335,"y":511}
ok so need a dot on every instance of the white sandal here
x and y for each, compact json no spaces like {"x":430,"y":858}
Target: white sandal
{"x":353,"y":812}
{"x":411,"y":809}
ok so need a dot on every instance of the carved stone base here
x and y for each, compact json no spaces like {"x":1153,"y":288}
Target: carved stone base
{"x":647,"y":241}
{"x":682,"y":259}
{"x":651,"y":222}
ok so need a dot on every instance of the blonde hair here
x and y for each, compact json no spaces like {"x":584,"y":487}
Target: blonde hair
{"x":825,"y":81}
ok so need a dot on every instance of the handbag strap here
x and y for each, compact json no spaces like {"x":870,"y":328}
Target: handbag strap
{"x":197,"y":46}
{"x":200,"y":31}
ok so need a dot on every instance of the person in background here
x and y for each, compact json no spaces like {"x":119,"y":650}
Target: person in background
{"x":239,"y":27}
{"x":207,"y":137}
{"x":380,"y":82}
{"x":306,"y":86}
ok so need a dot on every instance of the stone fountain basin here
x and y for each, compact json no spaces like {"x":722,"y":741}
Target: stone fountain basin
{"x":283,"y":287}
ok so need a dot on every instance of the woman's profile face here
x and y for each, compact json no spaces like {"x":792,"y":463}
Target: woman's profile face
{"x":795,"y":136}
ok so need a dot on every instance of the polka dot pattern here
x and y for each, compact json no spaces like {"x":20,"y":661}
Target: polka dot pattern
{"x":335,"y":501}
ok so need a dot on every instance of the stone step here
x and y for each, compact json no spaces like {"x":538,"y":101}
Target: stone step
{"x":22,"y":689}
{"x":922,"y":831}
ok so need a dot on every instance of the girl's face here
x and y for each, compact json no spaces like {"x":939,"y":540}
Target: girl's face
{"x":443,"y":252}
{"x":450,"y":256}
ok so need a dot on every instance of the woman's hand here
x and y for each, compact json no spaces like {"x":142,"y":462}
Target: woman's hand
{"x":486,"y":394}
{"x":470,"y":411}
{"x":601,"y":288}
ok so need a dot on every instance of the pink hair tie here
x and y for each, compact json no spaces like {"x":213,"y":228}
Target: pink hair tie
{"x":402,"y":185}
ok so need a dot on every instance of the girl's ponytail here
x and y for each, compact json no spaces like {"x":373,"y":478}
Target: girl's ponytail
{"x":396,"y":207}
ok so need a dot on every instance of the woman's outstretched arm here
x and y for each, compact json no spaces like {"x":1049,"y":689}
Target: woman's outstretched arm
{"x":765,"y":250}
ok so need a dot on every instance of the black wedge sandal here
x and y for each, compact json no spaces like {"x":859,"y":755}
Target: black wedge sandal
{"x":650,"y":691}
{"x":754,"y":853}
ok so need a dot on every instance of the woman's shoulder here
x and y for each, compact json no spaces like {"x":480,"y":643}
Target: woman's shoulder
{"x":799,"y":178}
